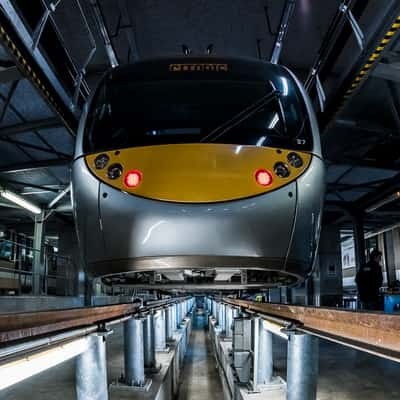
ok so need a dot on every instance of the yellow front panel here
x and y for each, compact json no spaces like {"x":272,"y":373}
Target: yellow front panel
{"x":198,"y":173}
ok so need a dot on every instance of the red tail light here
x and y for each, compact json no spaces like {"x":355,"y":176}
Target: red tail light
{"x":133,"y":178}
{"x":263,"y":177}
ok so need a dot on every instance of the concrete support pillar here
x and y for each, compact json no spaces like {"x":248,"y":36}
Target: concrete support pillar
{"x":133,"y":352}
{"x":302,"y":367}
{"x":91,"y":371}
{"x":37,"y":265}
{"x":160,"y":337}
{"x":265,"y":355}
{"x":149,"y":345}
{"x":169,"y":323}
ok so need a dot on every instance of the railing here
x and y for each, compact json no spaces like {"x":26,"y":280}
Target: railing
{"x":17,"y":272}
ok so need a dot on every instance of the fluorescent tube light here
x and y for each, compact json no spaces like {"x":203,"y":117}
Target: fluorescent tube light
{"x":19,"y":200}
{"x":16,"y":371}
{"x":386,"y":200}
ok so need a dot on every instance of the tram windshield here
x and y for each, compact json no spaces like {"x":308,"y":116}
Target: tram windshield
{"x":136,"y":113}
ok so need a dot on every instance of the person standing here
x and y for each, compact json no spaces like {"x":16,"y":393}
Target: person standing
{"x":369,"y":280}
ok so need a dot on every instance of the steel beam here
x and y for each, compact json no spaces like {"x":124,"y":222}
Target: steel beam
{"x":9,"y":74}
{"x":283,"y":28}
{"x":34,"y":165}
{"x":179,"y":286}
{"x":390,"y":72}
{"x":37,"y":266}
{"x":48,"y":123}
{"x":110,"y":51}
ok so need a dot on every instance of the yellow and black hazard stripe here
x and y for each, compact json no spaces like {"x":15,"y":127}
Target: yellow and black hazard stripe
{"x":363,"y":72}
{"x":37,"y":77}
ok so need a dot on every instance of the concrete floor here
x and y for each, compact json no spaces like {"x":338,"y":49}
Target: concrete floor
{"x":200,"y":379}
{"x":345,"y":374}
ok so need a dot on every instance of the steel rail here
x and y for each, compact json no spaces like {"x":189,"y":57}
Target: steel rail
{"x":29,"y":325}
{"x":372,"y":332}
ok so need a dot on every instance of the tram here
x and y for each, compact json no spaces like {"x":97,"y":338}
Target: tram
{"x":199,"y":164}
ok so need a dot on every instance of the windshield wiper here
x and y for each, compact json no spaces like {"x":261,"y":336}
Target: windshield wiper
{"x":241,"y":116}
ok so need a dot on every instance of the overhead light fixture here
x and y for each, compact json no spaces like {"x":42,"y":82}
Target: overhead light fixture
{"x":20,"y":201}
{"x":18,"y":370}
{"x":380,"y":203}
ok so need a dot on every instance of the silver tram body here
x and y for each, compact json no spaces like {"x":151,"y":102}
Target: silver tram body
{"x":274,"y":232}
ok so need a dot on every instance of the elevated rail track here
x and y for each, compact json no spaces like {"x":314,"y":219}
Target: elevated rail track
{"x":372,"y":332}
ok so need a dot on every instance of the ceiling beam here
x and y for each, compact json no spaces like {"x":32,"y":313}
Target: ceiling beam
{"x":390,"y":72}
{"x":47,"y":123}
{"x":33,"y":165}
{"x":9,"y":74}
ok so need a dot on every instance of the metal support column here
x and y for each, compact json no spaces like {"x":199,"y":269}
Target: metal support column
{"x":222,"y":316}
{"x":91,"y":371}
{"x":149,"y":346}
{"x":169,"y":323}
{"x":160,"y":339}
{"x":256,"y":345}
{"x":228,"y":321}
{"x":178,"y":315}
{"x":265,"y":355}
{"x":359,"y":241}
{"x":133,"y":352}
{"x":174,"y":323}
{"x":37,"y":266}
{"x":302,"y":367}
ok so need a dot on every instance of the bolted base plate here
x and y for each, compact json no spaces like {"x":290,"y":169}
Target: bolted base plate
{"x":123,"y":387}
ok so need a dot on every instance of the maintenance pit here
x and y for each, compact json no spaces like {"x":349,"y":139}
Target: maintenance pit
{"x":204,"y":360}
{"x":199,"y":199}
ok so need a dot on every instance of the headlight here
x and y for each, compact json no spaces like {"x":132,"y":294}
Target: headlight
{"x":295,"y":160}
{"x":114,"y":171}
{"x":101,"y":161}
{"x":281,"y":170}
